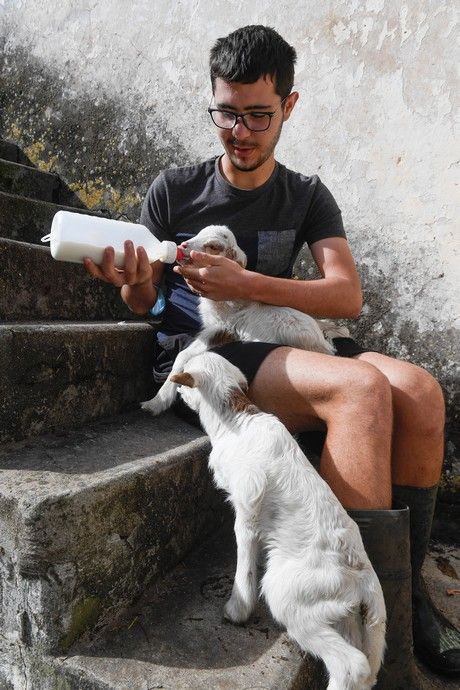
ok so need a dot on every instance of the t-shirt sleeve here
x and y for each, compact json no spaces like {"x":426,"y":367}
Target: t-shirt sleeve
{"x":155,"y":209}
{"x":324,"y":218}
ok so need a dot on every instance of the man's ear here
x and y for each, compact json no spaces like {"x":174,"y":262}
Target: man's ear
{"x":289,"y":104}
{"x":183,"y":379}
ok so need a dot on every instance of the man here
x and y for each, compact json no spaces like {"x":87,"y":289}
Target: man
{"x":384,"y":418}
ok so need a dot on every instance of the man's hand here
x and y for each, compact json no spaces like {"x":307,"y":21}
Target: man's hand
{"x":215,"y":277}
{"x":137,"y":280}
{"x":136,"y":271}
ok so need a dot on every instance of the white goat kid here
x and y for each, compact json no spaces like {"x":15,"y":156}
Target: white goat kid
{"x":319,"y":582}
{"x":243,"y":320}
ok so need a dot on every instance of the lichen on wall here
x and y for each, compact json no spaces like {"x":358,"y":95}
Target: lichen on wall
{"x":91,"y":139}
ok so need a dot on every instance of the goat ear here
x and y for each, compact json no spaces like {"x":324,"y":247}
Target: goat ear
{"x":183,"y":379}
{"x":236,"y":255}
{"x":241,"y":258}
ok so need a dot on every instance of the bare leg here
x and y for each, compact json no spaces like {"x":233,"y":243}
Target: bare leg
{"x":352,"y":399}
{"x":418,"y":414}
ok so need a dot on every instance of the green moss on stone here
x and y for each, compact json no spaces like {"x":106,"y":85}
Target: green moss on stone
{"x":84,"y":615}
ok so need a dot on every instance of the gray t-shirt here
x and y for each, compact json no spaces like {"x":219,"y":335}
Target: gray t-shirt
{"x":270,"y":223}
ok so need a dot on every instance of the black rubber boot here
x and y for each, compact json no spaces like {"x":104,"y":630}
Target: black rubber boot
{"x":436,"y":640}
{"x":385,"y":535}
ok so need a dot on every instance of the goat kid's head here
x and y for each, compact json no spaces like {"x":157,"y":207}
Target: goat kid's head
{"x":209,"y":378}
{"x":214,"y":239}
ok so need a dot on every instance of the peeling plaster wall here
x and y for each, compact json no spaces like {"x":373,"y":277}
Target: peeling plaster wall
{"x":108,"y":92}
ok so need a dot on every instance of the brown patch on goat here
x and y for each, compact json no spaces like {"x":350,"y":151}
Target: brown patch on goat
{"x":214,"y":248}
{"x":363,"y":612}
{"x":231,"y":253}
{"x":183,"y":379}
{"x":221,"y":338}
{"x":239,"y":402}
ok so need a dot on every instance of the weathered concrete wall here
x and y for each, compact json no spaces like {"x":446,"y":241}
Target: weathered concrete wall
{"x":108,"y":93}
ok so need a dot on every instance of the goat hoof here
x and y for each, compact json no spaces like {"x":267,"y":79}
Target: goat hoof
{"x":236,"y":611}
{"x":153,"y":406}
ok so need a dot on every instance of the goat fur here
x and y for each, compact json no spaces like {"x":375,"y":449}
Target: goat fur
{"x":318,"y":581}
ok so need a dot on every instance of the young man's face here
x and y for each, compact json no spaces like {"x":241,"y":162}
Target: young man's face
{"x":247,"y":150}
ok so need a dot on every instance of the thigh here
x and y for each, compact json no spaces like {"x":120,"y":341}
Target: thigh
{"x":303,"y":388}
{"x":414,"y":390}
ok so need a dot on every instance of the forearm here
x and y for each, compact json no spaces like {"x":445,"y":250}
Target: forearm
{"x":334,"y":297}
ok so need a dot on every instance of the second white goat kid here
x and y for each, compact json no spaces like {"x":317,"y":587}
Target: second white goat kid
{"x":242,"y":319}
{"x":318,"y":582}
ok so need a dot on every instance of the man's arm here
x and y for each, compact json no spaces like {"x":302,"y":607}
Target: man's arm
{"x":137,"y":280}
{"x":337,"y":294}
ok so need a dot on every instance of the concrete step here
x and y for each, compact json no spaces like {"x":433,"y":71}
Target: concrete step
{"x":175,"y":638}
{"x":59,"y":376}
{"x":89,"y":518}
{"x":24,"y":180}
{"x":28,"y":220}
{"x":29,"y":182}
{"x":10,"y":151}
{"x":33,"y":286}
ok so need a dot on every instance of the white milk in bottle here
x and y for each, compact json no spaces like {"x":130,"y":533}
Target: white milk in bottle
{"x":75,"y":236}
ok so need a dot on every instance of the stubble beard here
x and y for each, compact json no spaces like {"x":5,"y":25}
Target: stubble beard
{"x":250,"y":167}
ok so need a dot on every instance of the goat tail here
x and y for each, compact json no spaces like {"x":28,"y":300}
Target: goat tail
{"x":167,"y":393}
{"x":332,"y":330}
{"x":374,"y":627}
{"x":347,"y":666}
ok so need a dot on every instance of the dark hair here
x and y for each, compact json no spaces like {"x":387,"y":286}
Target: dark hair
{"x":253,"y":52}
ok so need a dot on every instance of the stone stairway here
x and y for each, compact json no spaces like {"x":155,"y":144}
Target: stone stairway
{"x":116,"y":553}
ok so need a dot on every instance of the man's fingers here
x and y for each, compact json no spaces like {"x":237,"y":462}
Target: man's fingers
{"x":130,"y":265}
{"x":202,"y":259}
{"x":144,"y":267}
{"x":94,"y":270}
{"x":113,"y":275}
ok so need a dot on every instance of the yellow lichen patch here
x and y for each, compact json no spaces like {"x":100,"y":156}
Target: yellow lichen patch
{"x":14,"y":133}
{"x":91,"y":192}
{"x":48,"y":166}
{"x":96,"y":193}
{"x":34,"y":151}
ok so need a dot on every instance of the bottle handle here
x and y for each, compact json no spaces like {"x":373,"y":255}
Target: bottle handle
{"x":45,"y":238}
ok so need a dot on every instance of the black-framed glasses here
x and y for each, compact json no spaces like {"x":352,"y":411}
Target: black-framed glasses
{"x":255,"y":121}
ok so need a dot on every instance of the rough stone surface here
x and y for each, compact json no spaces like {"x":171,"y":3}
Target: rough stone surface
{"x":88,"y":518}
{"x":33,"y":286}
{"x":175,"y":638}
{"x":10,"y":151}
{"x":112,"y":160}
{"x":28,"y":220}
{"x":62,"y":375}
{"x":25,"y":180}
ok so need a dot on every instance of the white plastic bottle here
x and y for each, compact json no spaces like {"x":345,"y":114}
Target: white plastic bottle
{"x":75,"y":236}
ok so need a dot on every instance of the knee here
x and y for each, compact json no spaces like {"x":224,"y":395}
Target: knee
{"x":370,"y":392}
{"x":372,"y":386}
{"x":419,"y":401}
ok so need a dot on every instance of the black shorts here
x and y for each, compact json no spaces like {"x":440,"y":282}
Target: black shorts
{"x":249,"y":356}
